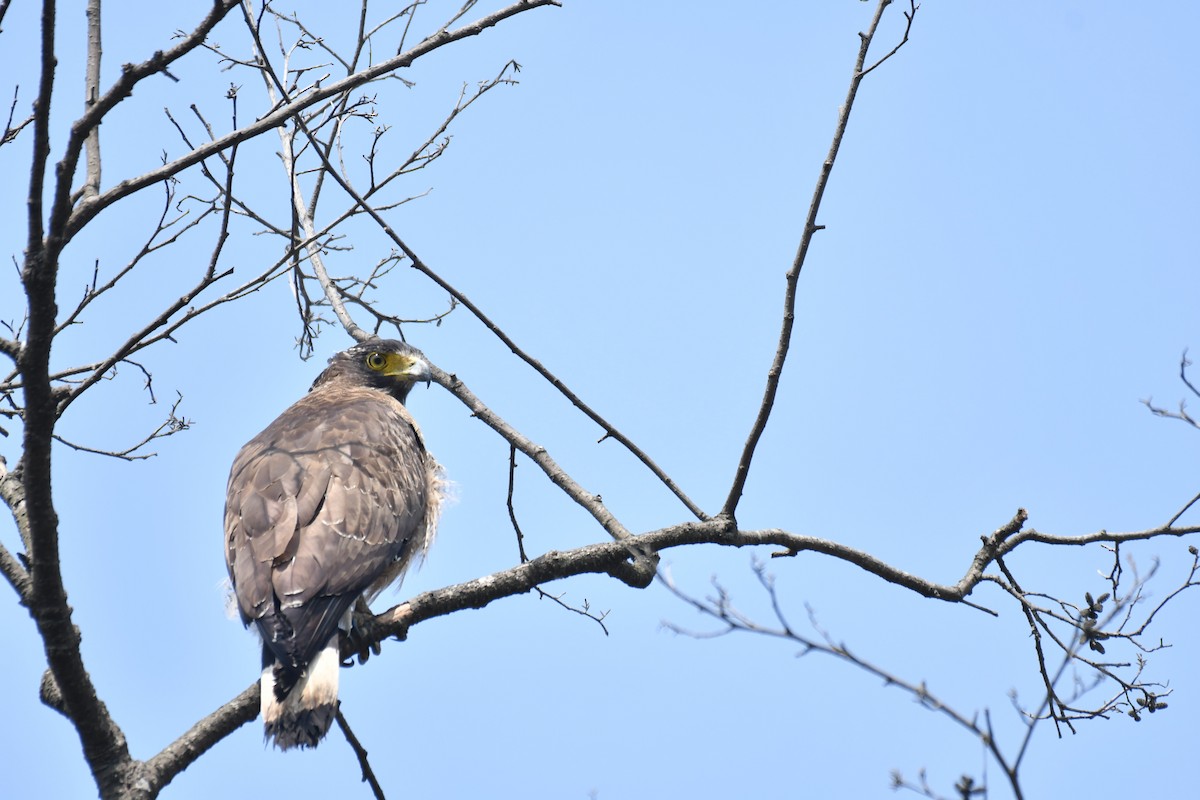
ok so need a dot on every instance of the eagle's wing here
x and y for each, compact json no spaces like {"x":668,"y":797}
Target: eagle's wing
{"x":326,"y":502}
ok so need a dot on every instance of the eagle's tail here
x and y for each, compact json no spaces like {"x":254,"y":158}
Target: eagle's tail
{"x":302,"y":716}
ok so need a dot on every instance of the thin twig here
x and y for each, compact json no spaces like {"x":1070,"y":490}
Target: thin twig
{"x":789,"y":303}
{"x":512,"y":513}
{"x":586,"y":610}
{"x":360,"y":752}
{"x":909,"y":16}
{"x":286,"y":112}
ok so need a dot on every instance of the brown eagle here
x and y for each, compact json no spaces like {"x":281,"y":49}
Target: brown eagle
{"x":331,"y":502}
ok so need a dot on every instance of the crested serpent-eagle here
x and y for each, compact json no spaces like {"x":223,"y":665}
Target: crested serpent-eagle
{"x":331,"y":502}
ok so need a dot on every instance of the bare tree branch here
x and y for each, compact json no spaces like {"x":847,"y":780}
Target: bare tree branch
{"x":65,"y":221}
{"x":1182,"y":414}
{"x":91,"y":184}
{"x":172,"y":425}
{"x":793,"y":276}
{"x":360,"y":752}
{"x":103,"y":742}
{"x":160,"y":770}
{"x":12,"y":492}
{"x":590,"y":502}
{"x":624,"y":559}
{"x":909,"y":15}
{"x":282,"y":114}
{"x":586,"y":610}
{"x":10,"y":348}
{"x":10,"y":133}
{"x":1133,"y":695}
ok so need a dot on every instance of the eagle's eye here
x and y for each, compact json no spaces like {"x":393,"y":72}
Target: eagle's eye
{"x":376,"y":361}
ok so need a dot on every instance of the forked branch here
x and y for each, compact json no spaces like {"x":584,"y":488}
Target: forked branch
{"x":774,"y":374}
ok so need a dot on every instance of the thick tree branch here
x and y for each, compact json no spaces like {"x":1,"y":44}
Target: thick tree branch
{"x":625,"y":560}
{"x":91,"y":183}
{"x":103,"y":743}
{"x":10,"y":348}
{"x":41,"y":135}
{"x":199,"y":739}
{"x":12,"y":493}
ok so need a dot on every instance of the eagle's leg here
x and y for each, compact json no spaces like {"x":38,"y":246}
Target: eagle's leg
{"x":362,"y":623}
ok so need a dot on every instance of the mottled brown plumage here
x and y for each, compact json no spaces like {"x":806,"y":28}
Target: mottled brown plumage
{"x":332,"y":501}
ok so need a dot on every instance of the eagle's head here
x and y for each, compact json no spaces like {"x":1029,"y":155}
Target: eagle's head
{"x":389,"y":365}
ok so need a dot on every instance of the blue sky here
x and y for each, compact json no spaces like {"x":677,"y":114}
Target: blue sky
{"x":1009,"y":266}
